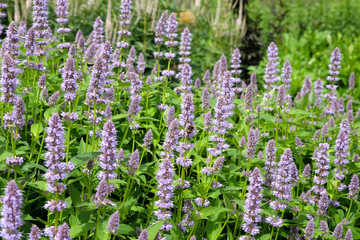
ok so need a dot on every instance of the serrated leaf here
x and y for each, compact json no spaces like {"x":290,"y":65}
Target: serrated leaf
{"x":36,"y":129}
{"x":154,"y":229}
{"x":84,"y":157}
{"x":213,"y":210}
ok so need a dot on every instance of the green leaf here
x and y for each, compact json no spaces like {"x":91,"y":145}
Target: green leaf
{"x":213,"y":229}
{"x":298,"y":112}
{"x":213,"y":210}
{"x":74,"y":194}
{"x":84,"y":157}
{"x":36,"y":129}
{"x":120,"y":116}
{"x":154,"y":229}
{"x":79,"y":230}
{"x":268,"y":117}
{"x":124,"y":229}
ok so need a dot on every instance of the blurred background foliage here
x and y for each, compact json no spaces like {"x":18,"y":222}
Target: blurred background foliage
{"x":306,"y":31}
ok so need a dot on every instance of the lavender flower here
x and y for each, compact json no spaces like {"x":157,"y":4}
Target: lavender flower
{"x":342,"y":149}
{"x":205,"y":99}
{"x":35,"y":233}
{"x":324,"y":227}
{"x":54,"y":98}
{"x":354,"y":187}
{"x":323,"y":204}
{"x":286,"y":75}
{"x":113,"y":223}
{"x":57,"y":170}
{"x":321,"y":156}
{"x":185,"y":47}
{"x":187,"y":116}
{"x":40,"y":21}
{"x":284,"y":178}
{"x":70,"y":76}
{"x":101,"y":193}
{"x":107,"y":160}
{"x":125,"y":14}
{"x":165,"y":191}
{"x":62,"y":14}
{"x":235,"y":65}
{"x":148,"y":139}
{"x":133,"y":163}
{"x":309,"y":230}
{"x":30,"y":43}
{"x":207,"y":120}
{"x":172,"y":136}
{"x":334,"y":66}
{"x":98,"y":32}
{"x":141,"y":64}
{"x":249,"y":97}
{"x":9,"y":81}
{"x":144,"y":235}
{"x":252,"y":204}
{"x":185,"y":77}
{"x":352,"y":81}
{"x":90,"y":53}
{"x":348,"y":235}
{"x":307,"y":171}
{"x":160,"y":28}
{"x":251,"y":144}
{"x":11,"y":43}
{"x":318,"y":88}
{"x":63,"y":232}
{"x":14,"y":161}
{"x":11,"y":213}
{"x":170,"y":115}
{"x":338,"y":232}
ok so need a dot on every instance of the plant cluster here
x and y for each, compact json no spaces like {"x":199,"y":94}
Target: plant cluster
{"x":99,"y":144}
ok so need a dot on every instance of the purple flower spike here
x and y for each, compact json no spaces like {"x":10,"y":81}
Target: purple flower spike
{"x":35,"y":233}
{"x":338,"y":232}
{"x":62,"y":14}
{"x":148,"y":139}
{"x":252,"y":204}
{"x":40,"y":21}
{"x":107,"y":160}
{"x":133,"y":163}
{"x":9,"y":81}
{"x":63,"y":232}
{"x":286,"y":75}
{"x":11,"y":213}
{"x":187,"y":116}
{"x":11,"y":43}
{"x":70,"y":77}
{"x":144,"y":235}
{"x":98,"y":30}
{"x":125,"y":15}
{"x":165,"y":191}
{"x":161,"y":28}
{"x":235,"y":65}
{"x":352,"y":81}
{"x":348,"y":235}
{"x":270,"y":163}
{"x":57,"y":170}
{"x":113,"y":223}
{"x":251,"y":144}
{"x":172,"y":136}
{"x":185,"y":47}
{"x":354,"y":187}
{"x":309,"y":230}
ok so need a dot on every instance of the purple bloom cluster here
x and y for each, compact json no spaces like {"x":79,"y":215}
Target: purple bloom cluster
{"x":11,"y":212}
{"x":107,"y":160}
{"x":165,"y":191}
{"x":185,"y":47}
{"x":9,"y":81}
{"x":235,"y":65}
{"x":62,"y":14}
{"x":185,"y":77}
{"x":321,"y":156}
{"x":57,"y":170}
{"x":40,"y":21}
{"x":270,"y":163}
{"x":252,"y":204}
{"x":187,"y":116}
{"x":70,"y":77}
{"x":253,"y":139}
{"x":342,"y":151}
{"x":125,"y":15}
